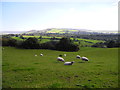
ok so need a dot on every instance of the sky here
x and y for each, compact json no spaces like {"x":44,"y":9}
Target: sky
{"x":25,"y":16}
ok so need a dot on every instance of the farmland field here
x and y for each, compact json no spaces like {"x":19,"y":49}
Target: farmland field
{"x":21,"y":69}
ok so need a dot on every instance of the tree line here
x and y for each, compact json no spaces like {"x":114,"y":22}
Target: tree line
{"x":64,"y":44}
{"x":107,"y":44}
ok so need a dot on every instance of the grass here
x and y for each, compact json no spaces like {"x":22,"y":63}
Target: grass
{"x":45,"y":40}
{"x":21,"y":69}
{"x":93,"y":41}
{"x":17,"y":38}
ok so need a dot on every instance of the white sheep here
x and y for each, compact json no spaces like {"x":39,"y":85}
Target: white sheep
{"x":41,"y":54}
{"x":35,"y":54}
{"x":78,"y":56}
{"x":68,"y":63}
{"x":65,"y":55}
{"x":60,"y":59}
{"x":85,"y":59}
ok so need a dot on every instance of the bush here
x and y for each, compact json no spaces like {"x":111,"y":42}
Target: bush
{"x":9,"y":42}
{"x":112,"y":43}
{"x":30,"y":43}
{"x":49,"y":45}
{"x":4,"y":42}
{"x":100,"y":45}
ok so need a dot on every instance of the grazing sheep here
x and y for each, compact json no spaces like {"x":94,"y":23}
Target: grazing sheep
{"x":41,"y":54}
{"x":60,"y":55}
{"x":60,"y":59}
{"x":35,"y":54}
{"x":85,"y":59}
{"x":78,"y":56}
{"x":68,"y":63}
{"x":65,"y":55}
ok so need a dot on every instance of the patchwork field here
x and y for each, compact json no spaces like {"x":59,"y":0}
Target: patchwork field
{"x":21,"y":69}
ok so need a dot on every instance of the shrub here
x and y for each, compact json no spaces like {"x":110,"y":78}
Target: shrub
{"x":9,"y":42}
{"x":49,"y":45}
{"x":99,"y":44}
{"x":30,"y":43}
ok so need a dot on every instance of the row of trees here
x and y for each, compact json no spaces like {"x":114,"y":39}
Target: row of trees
{"x":64,"y":44}
{"x":108,"y":44}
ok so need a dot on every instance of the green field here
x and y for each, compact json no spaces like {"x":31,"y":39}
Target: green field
{"x":21,"y":69}
{"x":60,"y":31}
{"x":56,"y":31}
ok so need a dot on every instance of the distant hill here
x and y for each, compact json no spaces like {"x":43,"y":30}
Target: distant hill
{"x":65,"y":31}
{"x":61,"y":31}
{"x":11,"y":32}
{"x":57,"y":31}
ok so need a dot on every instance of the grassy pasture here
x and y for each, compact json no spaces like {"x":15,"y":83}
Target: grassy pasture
{"x":93,"y":41}
{"x":21,"y":69}
{"x":17,"y":38}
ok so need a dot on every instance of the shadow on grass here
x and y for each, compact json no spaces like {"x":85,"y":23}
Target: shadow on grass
{"x":81,"y":62}
{"x":22,"y":69}
{"x":58,"y":62}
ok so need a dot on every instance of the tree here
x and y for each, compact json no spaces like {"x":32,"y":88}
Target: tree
{"x":48,"y":45}
{"x":12,"y":42}
{"x":99,"y":44}
{"x":79,"y":42}
{"x":40,"y":38}
{"x":9,"y":42}
{"x":110,"y":44}
{"x":30,"y":43}
{"x":22,"y":37}
{"x":53,"y":38}
{"x":66,"y":44}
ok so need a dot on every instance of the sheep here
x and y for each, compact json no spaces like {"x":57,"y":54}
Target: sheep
{"x":41,"y":54}
{"x":68,"y":63}
{"x":60,"y":59}
{"x":35,"y":54}
{"x":78,"y":56}
{"x":85,"y":59}
{"x":65,"y":55}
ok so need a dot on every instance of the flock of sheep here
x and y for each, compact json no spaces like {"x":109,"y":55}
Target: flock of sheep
{"x":68,"y":63}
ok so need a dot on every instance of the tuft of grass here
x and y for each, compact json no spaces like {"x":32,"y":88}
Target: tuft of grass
{"x":22,"y":69}
{"x":55,"y":85}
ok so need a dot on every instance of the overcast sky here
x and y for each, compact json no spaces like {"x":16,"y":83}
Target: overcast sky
{"x":96,"y":15}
